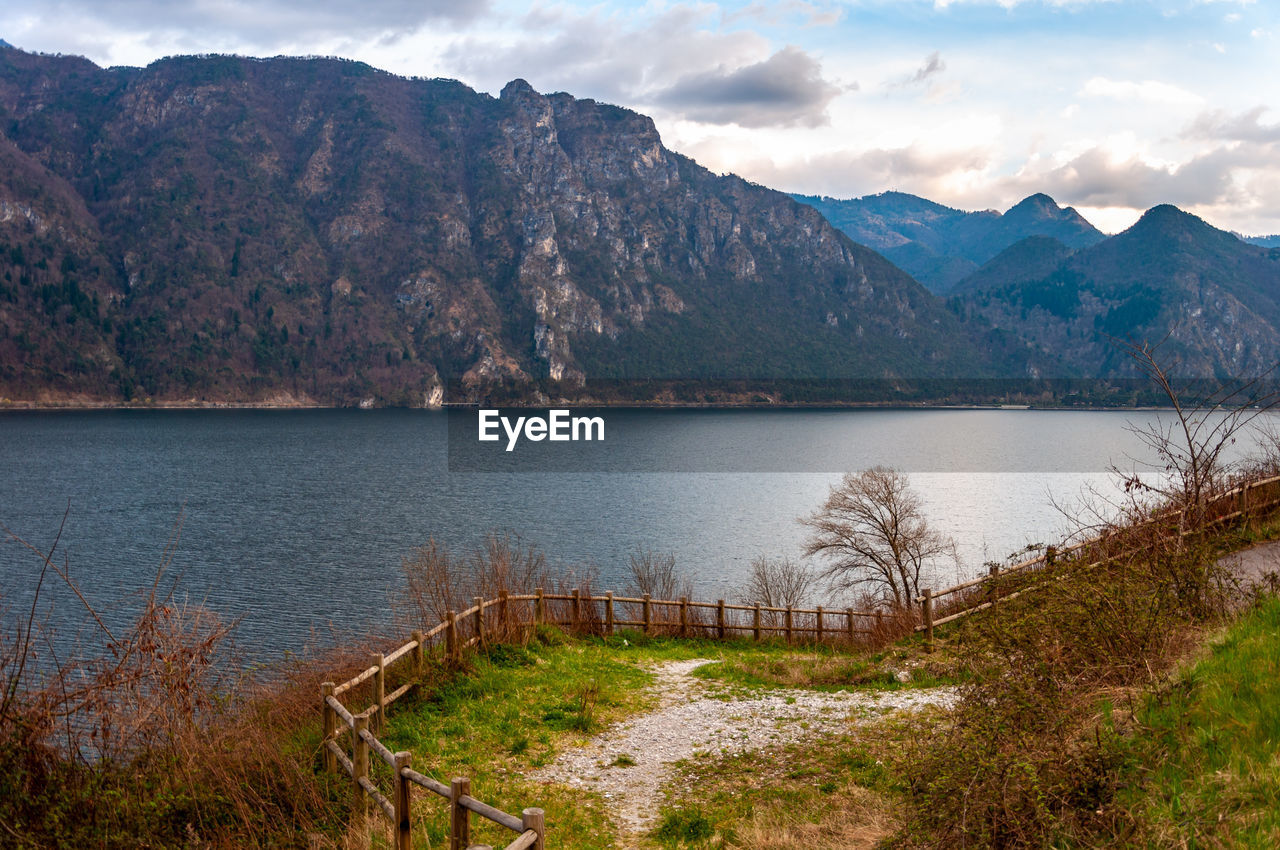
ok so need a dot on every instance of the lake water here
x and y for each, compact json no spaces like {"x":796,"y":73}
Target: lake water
{"x":297,"y":521}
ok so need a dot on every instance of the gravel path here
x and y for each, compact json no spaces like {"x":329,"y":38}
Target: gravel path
{"x":691,"y":719}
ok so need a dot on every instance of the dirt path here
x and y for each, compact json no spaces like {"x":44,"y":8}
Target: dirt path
{"x":691,"y":718}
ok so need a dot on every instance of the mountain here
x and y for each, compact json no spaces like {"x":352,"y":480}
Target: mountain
{"x":317,"y":231}
{"x":1021,"y":263}
{"x":1215,"y":298}
{"x":940,"y":246}
{"x":1272,"y":241}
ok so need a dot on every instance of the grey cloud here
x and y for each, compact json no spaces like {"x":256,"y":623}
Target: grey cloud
{"x":265,"y":23}
{"x":933,"y":65}
{"x":594,"y":55}
{"x":1094,"y":179}
{"x":787,"y":89}
{"x":1218,"y":125}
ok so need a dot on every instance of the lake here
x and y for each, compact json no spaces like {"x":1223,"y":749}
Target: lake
{"x":297,"y":521}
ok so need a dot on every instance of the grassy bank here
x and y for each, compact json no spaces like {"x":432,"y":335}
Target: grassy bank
{"x":1202,"y":768}
{"x":518,"y":707}
{"x":1092,"y":713}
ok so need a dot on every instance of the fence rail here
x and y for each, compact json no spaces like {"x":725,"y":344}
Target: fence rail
{"x":473,"y":626}
{"x":985,"y":591}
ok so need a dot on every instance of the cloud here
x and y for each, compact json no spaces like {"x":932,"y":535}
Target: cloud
{"x":1097,"y":178}
{"x":912,"y":168}
{"x":933,"y":64}
{"x":616,"y":56}
{"x":805,"y":13}
{"x":268,"y":23}
{"x":677,"y":62}
{"x":1150,"y":91}
{"x":1218,"y":125}
{"x":785,"y":90}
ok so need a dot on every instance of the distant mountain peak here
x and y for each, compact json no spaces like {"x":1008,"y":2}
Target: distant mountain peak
{"x":516,"y":87}
{"x":1037,"y":201}
{"x":4,"y":43}
{"x":1166,"y":218}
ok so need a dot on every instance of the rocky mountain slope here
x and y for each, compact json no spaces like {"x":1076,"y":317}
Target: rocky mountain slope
{"x":939,"y":245}
{"x":221,"y":228}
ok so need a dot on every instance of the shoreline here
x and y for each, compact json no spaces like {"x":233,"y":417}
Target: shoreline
{"x":12,"y":405}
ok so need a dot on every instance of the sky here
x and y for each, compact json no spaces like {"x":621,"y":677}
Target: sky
{"x":1110,"y":106}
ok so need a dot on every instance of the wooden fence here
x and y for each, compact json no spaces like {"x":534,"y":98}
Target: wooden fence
{"x":495,"y":619}
{"x":985,"y":592}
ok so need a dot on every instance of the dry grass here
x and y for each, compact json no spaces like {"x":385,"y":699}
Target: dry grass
{"x":151,"y":736}
{"x":854,"y":818}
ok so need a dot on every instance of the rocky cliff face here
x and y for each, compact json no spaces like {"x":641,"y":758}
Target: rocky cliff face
{"x":317,"y":230}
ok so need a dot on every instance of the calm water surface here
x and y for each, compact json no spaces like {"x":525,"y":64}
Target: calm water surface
{"x":296,"y":521}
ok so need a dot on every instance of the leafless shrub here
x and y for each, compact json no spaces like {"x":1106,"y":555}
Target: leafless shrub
{"x":779,"y":583}
{"x":655,"y":573}
{"x":150,"y":735}
{"x":1191,"y":446}
{"x":438,"y":582}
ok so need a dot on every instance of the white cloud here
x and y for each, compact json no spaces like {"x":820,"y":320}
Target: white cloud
{"x":1150,"y":91}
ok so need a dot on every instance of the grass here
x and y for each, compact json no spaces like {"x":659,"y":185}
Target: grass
{"x":517,"y":707}
{"x":1209,"y":770}
{"x":834,"y":793}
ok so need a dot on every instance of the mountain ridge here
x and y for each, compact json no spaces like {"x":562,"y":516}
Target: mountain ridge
{"x":318,"y":231}
{"x":940,"y":245}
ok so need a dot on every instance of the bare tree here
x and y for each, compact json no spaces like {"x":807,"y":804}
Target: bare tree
{"x":873,"y":533}
{"x":1191,"y":447}
{"x":779,"y":583}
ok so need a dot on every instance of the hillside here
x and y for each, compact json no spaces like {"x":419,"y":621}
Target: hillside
{"x":940,"y":246}
{"x":316,"y":231}
{"x":1216,"y":298}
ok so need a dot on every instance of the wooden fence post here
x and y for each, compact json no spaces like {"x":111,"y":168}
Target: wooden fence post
{"x":755,"y":623}
{"x":787,"y":623}
{"x":404,"y":825}
{"x":608,"y":613}
{"x":419,"y":655}
{"x":995,"y":589}
{"x":359,"y":770}
{"x":879,"y":622}
{"x":819,"y":624}
{"x":379,"y":691}
{"x":539,"y":611}
{"x":535,"y":819}
{"x":479,"y":606}
{"x":451,"y":647}
{"x":852,"y":630}
{"x":647,"y":614}
{"x":576,"y":617}
{"x":720,"y":619}
{"x":684,"y":616}
{"x":330,"y":727}
{"x":504,"y":622}
{"x":927,"y":604}
{"x":459,"y":817}
{"x":1050,"y":555}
